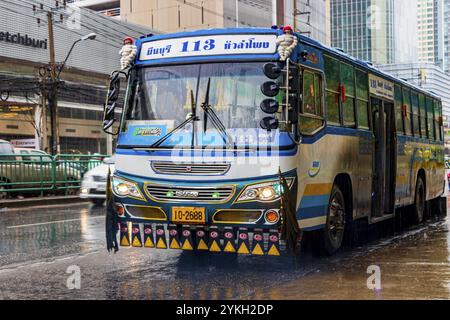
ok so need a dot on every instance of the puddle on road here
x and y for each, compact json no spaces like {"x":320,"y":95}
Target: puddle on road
{"x":415,"y":265}
{"x":36,"y":234}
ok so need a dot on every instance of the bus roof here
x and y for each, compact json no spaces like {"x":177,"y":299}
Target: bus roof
{"x":365,"y":65}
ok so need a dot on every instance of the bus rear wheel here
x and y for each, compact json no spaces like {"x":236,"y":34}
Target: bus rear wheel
{"x":333,"y":234}
{"x":419,"y":201}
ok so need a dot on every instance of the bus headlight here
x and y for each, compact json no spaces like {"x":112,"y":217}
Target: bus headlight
{"x":125,"y":188}
{"x":263,"y":192}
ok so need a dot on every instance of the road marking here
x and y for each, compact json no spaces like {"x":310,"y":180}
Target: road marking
{"x":50,"y":222}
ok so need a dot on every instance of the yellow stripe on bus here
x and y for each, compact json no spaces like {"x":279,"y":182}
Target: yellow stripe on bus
{"x":318,"y":189}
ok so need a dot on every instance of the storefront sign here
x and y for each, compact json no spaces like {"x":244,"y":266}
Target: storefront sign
{"x":381,"y":87}
{"x":23,"y":39}
{"x":24,"y":143}
{"x":209,"y":46}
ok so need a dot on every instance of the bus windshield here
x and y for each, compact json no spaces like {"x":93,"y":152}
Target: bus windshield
{"x":163,"y":94}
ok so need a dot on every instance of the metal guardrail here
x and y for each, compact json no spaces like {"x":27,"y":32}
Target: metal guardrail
{"x":38,"y":174}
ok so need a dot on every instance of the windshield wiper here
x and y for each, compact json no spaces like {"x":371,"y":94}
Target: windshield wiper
{"x":192,"y":118}
{"x":195,"y":118}
{"x":208,"y":111}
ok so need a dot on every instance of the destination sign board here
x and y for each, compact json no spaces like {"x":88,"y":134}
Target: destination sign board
{"x":211,"y":45}
{"x":381,"y":87}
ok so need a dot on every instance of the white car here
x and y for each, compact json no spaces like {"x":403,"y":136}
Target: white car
{"x":93,"y":186}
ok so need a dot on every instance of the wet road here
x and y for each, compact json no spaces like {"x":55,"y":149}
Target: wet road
{"x":38,"y":245}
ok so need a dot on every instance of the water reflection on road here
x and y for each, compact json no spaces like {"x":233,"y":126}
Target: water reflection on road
{"x":37,"y":246}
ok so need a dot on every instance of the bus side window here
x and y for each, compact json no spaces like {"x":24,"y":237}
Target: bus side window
{"x":362,"y":99}
{"x":423,"y":116}
{"x":348,"y":102}
{"x":437,"y":115}
{"x":430,"y":119}
{"x":332,"y":90}
{"x":398,"y":110}
{"x":415,"y":113}
{"x":407,"y":112}
{"x":311,"y":116}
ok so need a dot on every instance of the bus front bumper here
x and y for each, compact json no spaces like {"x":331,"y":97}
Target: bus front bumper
{"x":209,"y":216}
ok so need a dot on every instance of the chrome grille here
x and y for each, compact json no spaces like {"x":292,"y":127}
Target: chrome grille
{"x":206,"y":169}
{"x":190,"y":194}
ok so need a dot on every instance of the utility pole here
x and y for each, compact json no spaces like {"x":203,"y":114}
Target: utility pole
{"x":237,"y":13}
{"x":278,"y":15}
{"x":51,"y":92}
{"x":305,"y":12}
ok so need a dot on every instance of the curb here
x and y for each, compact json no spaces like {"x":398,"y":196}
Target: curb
{"x":31,"y":202}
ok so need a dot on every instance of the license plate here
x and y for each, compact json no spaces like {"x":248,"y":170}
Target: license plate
{"x":101,"y":189}
{"x":188,"y":215}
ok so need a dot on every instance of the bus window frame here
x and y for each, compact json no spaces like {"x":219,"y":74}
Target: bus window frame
{"x":430,"y":135}
{"x":408,"y":112}
{"x":334,"y":91}
{"x":416,"y":131}
{"x":437,"y":126}
{"x":423,"y":115}
{"x":367,"y":101}
{"x":341,"y":104}
{"x":321,"y":73}
{"x":402,"y":129}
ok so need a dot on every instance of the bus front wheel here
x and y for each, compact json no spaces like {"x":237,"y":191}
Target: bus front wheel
{"x":333,"y":233}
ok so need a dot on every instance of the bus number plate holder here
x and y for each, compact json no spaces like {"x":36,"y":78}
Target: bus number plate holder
{"x":188,"y":215}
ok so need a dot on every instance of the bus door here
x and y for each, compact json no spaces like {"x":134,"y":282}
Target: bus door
{"x":384,"y":157}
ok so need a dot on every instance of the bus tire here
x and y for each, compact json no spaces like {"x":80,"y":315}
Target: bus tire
{"x":333,"y":233}
{"x":419,"y":201}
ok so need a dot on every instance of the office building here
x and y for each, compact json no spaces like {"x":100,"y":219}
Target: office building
{"x":380,"y":31}
{"x":24,"y":50}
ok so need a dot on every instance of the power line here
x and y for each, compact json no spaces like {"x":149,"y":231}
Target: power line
{"x":88,"y":15}
{"x":45,"y":23}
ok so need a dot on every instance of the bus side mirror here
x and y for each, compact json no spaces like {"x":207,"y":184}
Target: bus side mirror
{"x":112,"y":101}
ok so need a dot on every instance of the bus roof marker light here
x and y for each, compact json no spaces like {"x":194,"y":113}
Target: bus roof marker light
{"x":304,"y":55}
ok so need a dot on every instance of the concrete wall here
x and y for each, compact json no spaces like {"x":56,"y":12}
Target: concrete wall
{"x":172,"y":15}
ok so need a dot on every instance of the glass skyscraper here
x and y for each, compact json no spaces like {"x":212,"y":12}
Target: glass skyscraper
{"x":446,"y":27}
{"x":380,"y":31}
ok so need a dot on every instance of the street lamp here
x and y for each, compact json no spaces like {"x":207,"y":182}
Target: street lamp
{"x":90,"y":36}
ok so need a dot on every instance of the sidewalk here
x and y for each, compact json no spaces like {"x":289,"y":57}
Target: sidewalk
{"x":40,"y":201}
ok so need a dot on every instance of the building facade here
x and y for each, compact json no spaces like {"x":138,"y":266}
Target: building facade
{"x":380,"y":31}
{"x":24,"y":53}
{"x":309,"y":17}
{"x":430,"y":77}
{"x":446,"y":33}
{"x":430,"y":20}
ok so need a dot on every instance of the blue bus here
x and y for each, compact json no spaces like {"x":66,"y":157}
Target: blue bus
{"x":216,"y":130}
